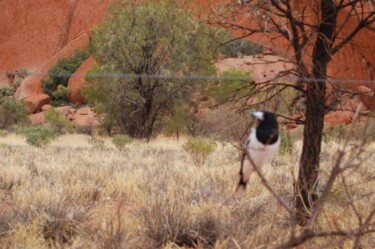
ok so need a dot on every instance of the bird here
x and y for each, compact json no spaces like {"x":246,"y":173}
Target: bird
{"x":261,"y":144}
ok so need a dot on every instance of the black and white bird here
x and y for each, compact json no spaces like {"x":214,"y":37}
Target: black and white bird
{"x":262,"y":143}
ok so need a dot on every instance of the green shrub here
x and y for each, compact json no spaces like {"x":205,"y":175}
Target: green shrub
{"x":57,"y":121}
{"x":232,"y":88}
{"x":17,"y":83}
{"x":60,"y":96}
{"x":6,"y":91}
{"x":241,"y":47}
{"x":38,"y":135}
{"x":121,"y":141}
{"x":199,"y":149}
{"x":12,"y":112}
{"x":164,"y":40}
{"x":178,"y":120}
{"x":24,"y":72}
{"x":60,"y":73}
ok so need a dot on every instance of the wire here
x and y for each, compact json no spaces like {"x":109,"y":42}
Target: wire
{"x":201,"y":77}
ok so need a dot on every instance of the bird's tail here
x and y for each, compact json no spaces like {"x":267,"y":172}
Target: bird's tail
{"x":245,"y":172}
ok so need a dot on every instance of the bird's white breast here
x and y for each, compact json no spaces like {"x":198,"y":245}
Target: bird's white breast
{"x":260,"y":153}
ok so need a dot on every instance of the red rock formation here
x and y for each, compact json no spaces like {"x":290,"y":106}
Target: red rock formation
{"x":37,"y":118}
{"x":339,"y":117}
{"x":34,"y":103}
{"x":46,"y":32}
{"x":77,"y":82}
{"x":85,"y":117}
{"x":49,"y":30}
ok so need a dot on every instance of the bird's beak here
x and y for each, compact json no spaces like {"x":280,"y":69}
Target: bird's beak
{"x":258,"y":115}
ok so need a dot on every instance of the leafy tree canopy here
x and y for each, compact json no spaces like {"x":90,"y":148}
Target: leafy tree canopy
{"x":142,"y":41}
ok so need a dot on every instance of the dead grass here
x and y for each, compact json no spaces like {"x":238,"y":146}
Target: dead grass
{"x":73,"y":195}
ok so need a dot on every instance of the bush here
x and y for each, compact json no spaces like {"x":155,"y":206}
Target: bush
{"x":241,"y":47}
{"x":178,"y":120}
{"x":232,"y":88}
{"x":121,"y":141}
{"x":57,"y":121}
{"x":199,"y":149}
{"x":24,"y":72}
{"x":60,"y":95}
{"x":60,"y":73}
{"x":6,"y":91}
{"x":164,"y":40}
{"x":38,"y":135}
{"x":12,"y":112}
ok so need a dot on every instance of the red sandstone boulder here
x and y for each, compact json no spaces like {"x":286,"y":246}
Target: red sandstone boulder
{"x":77,"y":82}
{"x":367,"y":96}
{"x":65,"y":110}
{"x":46,"y":107}
{"x":37,"y":118}
{"x":339,"y":117}
{"x":85,"y":117}
{"x":34,"y":103}
{"x":32,"y":85}
{"x":366,"y":91}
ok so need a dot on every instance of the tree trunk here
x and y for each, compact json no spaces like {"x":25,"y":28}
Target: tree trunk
{"x":315,"y":110}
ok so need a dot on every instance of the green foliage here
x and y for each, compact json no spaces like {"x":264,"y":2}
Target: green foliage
{"x":38,"y":135}
{"x":231,"y":88}
{"x":23,"y":71}
{"x":199,"y":149}
{"x":61,"y":95}
{"x":178,"y":119}
{"x":57,"y":121}
{"x":241,"y":47}
{"x":17,"y":83}
{"x":121,"y":141}
{"x":6,"y":91}
{"x":143,"y":40}
{"x":60,"y":73}
{"x":12,"y":112}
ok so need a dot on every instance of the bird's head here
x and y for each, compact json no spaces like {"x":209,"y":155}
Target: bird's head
{"x":265,"y":118}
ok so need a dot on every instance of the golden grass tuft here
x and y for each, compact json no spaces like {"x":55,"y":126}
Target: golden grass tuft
{"x":73,"y":195}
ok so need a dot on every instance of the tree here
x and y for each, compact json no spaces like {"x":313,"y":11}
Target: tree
{"x":147,"y":43}
{"x":311,"y":34}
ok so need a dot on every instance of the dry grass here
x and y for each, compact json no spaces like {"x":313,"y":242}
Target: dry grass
{"x":75,"y":195}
